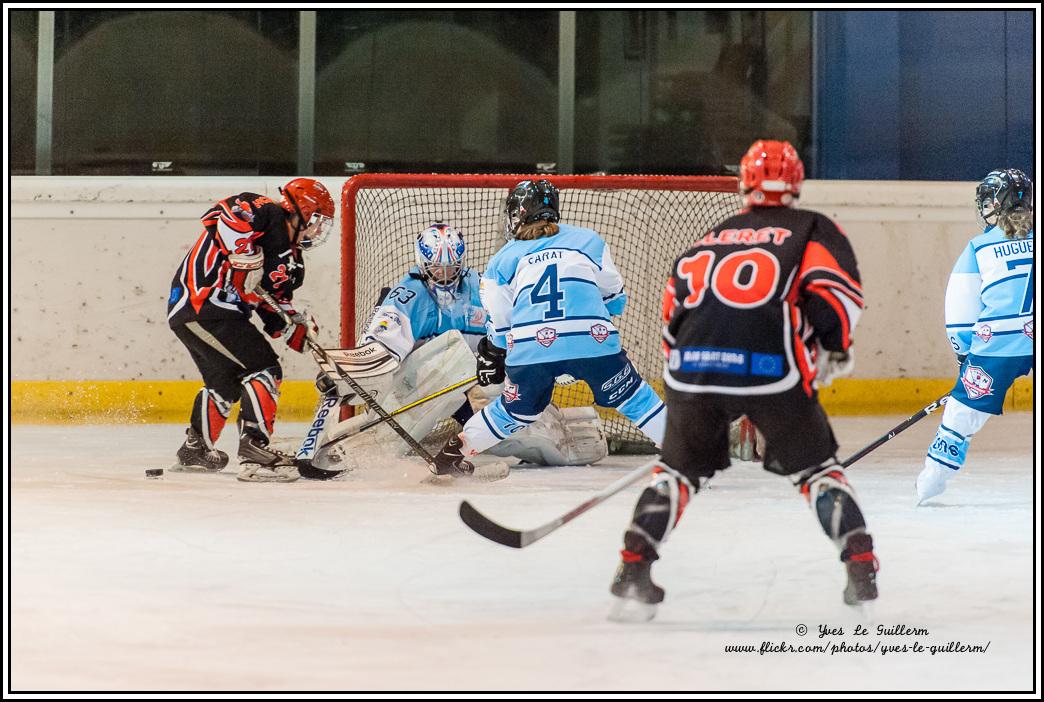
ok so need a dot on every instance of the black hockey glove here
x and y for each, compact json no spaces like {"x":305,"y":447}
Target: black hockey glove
{"x":961,"y":358}
{"x":490,"y":363}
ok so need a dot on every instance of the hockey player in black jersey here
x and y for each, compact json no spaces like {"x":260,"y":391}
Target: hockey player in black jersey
{"x":248,"y":240}
{"x":757,"y":313}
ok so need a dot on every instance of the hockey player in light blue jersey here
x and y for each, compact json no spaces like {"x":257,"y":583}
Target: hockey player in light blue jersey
{"x":989,"y":321}
{"x":550,"y":294}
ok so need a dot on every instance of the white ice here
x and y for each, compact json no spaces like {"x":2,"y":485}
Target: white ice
{"x":199,"y":582}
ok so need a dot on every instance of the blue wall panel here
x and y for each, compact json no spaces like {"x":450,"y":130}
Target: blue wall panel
{"x":924,"y":95}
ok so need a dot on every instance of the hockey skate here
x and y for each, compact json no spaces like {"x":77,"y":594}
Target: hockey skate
{"x":195,"y":457}
{"x":861,"y":565}
{"x":931,"y":482}
{"x":450,"y":460}
{"x":259,"y":463}
{"x":637,"y":596}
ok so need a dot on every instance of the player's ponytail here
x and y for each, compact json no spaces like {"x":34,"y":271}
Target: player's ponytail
{"x":536,"y":230}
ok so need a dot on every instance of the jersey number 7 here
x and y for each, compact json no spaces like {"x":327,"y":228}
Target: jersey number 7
{"x":1027,"y":299}
{"x":742,"y":279}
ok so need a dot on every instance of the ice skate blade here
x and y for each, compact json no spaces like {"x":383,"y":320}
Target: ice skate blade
{"x":248,"y":473}
{"x":179,"y":468}
{"x":625,"y":610}
{"x":486,"y":473}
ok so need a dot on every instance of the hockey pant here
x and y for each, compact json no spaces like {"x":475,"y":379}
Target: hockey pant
{"x":237,"y":363}
{"x":614,"y":381}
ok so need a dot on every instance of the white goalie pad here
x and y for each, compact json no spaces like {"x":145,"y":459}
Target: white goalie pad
{"x":440,"y":363}
{"x":570,"y":436}
{"x":371,"y":365}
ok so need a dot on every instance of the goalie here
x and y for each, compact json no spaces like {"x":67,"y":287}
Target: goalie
{"x":421,"y":340}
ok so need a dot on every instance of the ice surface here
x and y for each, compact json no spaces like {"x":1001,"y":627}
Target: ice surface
{"x":199,"y":582}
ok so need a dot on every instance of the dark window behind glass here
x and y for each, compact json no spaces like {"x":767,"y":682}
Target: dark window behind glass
{"x":454,"y":90}
{"x":207,"y":92}
{"x":24,"y":26}
{"x":688,"y":91}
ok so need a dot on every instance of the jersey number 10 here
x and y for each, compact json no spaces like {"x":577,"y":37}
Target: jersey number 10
{"x":699,"y":273}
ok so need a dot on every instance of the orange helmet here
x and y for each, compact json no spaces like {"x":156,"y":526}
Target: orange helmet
{"x":771,"y":174}
{"x":311,"y":202}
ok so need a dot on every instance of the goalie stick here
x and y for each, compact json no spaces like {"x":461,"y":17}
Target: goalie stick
{"x":352,"y":383}
{"x":516,"y":538}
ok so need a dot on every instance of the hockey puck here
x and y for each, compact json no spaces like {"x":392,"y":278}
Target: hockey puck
{"x":153,"y":472}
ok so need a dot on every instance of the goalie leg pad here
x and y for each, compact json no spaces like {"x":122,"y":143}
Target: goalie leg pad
{"x":659,"y":509}
{"x":209,"y":414}
{"x":828,"y":493}
{"x":571,"y":436}
{"x":260,"y":399}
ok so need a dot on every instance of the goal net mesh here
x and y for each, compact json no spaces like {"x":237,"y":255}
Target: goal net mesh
{"x":647,"y":221}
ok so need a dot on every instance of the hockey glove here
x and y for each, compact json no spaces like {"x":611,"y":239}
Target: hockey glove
{"x":304,"y":327}
{"x":833,"y":364}
{"x":961,"y":358}
{"x":490,"y":363}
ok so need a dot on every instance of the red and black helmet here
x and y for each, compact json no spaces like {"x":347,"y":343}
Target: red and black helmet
{"x":311,"y":202}
{"x":771,"y":174}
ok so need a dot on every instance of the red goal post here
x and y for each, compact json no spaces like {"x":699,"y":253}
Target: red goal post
{"x":647,"y":222}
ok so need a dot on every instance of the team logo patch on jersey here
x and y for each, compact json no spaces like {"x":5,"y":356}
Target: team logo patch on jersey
{"x":985,"y":333}
{"x":510,"y":342}
{"x":511,"y":393}
{"x":478,"y":317}
{"x":977,"y":382}
{"x":600,"y":332}
{"x":546,"y":336}
{"x":1027,"y":329}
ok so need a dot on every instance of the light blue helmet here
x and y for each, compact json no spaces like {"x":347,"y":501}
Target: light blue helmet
{"x":440,"y":253}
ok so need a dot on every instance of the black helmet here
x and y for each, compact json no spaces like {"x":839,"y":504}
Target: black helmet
{"x":530,"y":201}
{"x":1005,"y":198}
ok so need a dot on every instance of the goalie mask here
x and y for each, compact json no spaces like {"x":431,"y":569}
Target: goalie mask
{"x":1004,"y":199}
{"x":530,"y":201}
{"x":771,"y":174}
{"x":311,"y":202}
{"x":440,"y":254}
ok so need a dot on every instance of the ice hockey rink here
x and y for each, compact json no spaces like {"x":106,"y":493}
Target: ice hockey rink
{"x":200,"y":582}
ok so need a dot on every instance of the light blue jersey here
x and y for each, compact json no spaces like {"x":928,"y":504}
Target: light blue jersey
{"x":411,"y":314}
{"x":552,"y":299}
{"x":989,"y":298}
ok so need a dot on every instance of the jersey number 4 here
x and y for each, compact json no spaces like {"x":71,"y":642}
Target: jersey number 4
{"x":743,"y":279}
{"x":552,"y":297}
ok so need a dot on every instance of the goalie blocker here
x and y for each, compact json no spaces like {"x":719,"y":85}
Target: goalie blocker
{"x":567,"y":436}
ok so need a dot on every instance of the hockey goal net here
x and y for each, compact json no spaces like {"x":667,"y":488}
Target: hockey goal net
{"x":647,"y":221}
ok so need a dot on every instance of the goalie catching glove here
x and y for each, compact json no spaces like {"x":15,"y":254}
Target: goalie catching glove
{"x":490,"y":363}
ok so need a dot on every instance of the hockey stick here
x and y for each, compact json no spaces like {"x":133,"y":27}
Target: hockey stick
{"x":352,"y":383}
{"x":514,"y":538}
{"x":899,"y":428}
{"x":404,"y":408}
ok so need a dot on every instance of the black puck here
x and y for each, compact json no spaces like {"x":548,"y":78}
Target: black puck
{"x":153,"y":472}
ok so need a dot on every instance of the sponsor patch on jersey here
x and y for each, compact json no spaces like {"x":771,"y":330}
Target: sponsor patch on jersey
{"x":1027,"y":329}
{"x":714,"y":360}
{"x":546,"y":336}
{"x":766,"y":364}
{"x":977,"y":382}
{"x":510,"y":393}
{"x":510,"y":342}
{"x":985,"y":333}
{"x":175,"y":295}
{"x":600,"y":332}
{"x":477,"y":317}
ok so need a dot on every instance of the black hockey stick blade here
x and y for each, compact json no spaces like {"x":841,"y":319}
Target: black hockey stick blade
{"x":483,"y":526}
{"x":310,"y":472}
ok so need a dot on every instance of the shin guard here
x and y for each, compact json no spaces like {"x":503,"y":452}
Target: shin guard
{"x":832,"y":499}
{"x":260,"y":398}
{"x":209,"y":413}
{"x":659,"y":508}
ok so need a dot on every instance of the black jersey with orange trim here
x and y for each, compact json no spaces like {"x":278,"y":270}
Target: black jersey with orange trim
{"x":241,"y":224}
{"x":744,"y":308}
